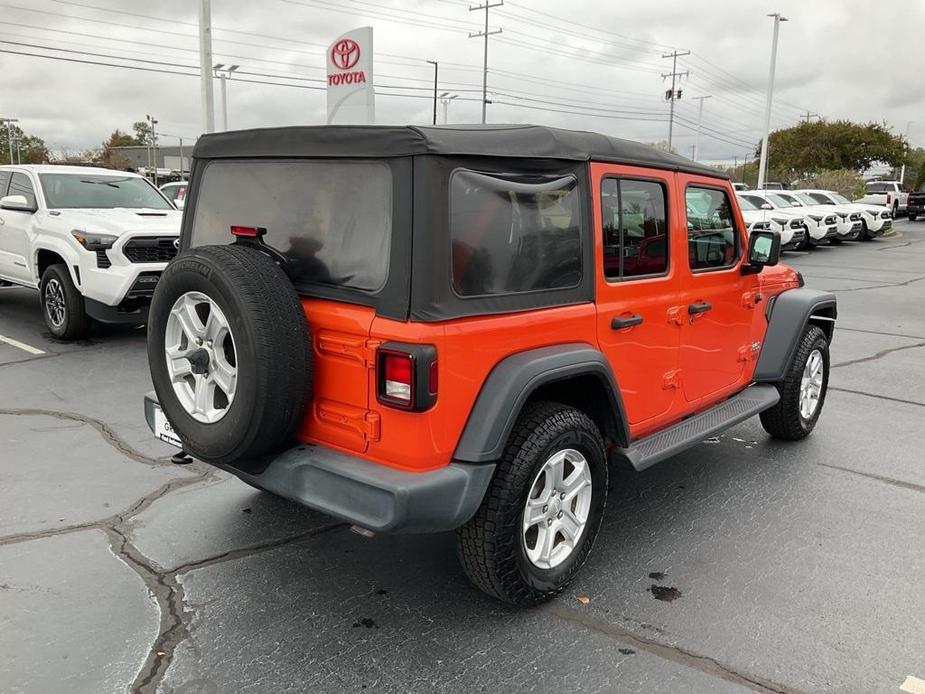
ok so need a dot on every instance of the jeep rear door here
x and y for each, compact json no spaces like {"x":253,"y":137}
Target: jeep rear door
{"x":717,"y":300}
{"x":637,"y":287}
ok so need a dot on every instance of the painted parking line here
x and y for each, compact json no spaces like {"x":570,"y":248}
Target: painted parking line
{"x":20,"y":345}
{"x":912,"y":685}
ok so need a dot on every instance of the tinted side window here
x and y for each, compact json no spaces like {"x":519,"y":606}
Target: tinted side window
{"x":635,"y":228}
{"x":512,"y":235}
{"x":4,"y":182}
{"x":821,"y":199}
{"x":21,"y":185}
{"x":713,"y":241}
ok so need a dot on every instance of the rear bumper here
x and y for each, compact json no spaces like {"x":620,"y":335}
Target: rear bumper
{"x":369,"y":495}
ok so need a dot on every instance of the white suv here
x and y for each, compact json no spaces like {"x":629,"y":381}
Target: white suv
{"x":93,"y":241}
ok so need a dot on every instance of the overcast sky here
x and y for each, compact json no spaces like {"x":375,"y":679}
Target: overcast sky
{"x":583,"y":64}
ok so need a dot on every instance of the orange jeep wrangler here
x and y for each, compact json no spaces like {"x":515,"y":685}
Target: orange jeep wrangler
{"x":421,"y":329}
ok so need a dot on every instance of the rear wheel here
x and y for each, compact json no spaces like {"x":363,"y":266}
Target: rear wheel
{"x":542,"y":512}
{"x":802,"y":392}
{"x":913,"y":216}
{"x":230,"y":354}
{"x":62,"y":304}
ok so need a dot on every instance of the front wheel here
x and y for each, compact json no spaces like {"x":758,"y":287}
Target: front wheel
{"x":913,"y":216}
{"x":542,"y":512}
{"x":802,"y":392}
{"x":62,"y":304}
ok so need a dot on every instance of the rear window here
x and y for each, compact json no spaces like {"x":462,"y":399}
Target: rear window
{"x":879,"y":188}
{"x":513,"y":235}
{"x":332,"y":219}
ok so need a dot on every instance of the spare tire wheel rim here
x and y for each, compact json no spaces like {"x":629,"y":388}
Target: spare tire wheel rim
{"x":557,"y":509}
{"x":201,"y":357}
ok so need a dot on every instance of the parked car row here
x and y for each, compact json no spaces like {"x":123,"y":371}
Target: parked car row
{"x":806,"y":218}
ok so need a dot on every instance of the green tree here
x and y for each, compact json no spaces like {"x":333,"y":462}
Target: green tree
{"x":27,"y":149}
{"x":822,"y":145}
{"x":110,"y":157}
{"x":144,"y":135}
{"x":845,"y":181}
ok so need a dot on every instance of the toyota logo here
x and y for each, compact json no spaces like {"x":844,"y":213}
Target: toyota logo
{"x":176,"y":244}
{"x":345,"y":54}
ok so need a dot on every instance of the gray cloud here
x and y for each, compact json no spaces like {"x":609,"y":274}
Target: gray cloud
{"x":847,"y":59}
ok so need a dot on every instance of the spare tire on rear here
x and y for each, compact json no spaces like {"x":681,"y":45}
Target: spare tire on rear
{"x":230,"y":354}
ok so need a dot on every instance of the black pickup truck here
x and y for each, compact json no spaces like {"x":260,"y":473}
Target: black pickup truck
{"x":916,"y":204}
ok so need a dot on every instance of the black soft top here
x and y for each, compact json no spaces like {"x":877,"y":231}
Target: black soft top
{"x":505,"y":141}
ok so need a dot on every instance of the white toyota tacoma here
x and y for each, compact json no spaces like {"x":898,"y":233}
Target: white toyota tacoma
{"x":790,"y":226}
{"x":92,"y":241}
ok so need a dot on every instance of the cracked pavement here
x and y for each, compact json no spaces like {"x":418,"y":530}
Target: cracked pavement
{"x":796,"y":567}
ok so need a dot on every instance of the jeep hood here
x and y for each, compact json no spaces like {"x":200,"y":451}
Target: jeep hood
{"x":119,"y":221}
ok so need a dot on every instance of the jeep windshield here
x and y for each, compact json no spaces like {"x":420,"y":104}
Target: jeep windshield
{"x":332,"y":219}
{"x":84,"y":191}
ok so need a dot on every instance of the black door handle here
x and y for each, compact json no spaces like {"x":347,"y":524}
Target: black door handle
{"x":699,"y":307}
{"x":628,"y":322}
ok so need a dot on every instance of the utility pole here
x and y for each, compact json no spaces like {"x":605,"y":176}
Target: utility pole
{"x":436,"y":67}
{"x":9,"y":133}
{"x":445,"y":99}
{"x":699,"y":123}
{"x":223,"y":72}
{"x":205,"y":65}
{"x":487,"y":6}
{"x":673,"y":93}
{"x":763,"y":160}
{"x":808,"y":116}
{"x":735,"y":166}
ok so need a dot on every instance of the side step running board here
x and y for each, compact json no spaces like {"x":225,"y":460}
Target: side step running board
{"x":653,"y":449}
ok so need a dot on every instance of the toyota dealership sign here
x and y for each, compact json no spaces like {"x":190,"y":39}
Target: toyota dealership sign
{"x":351,"y":98}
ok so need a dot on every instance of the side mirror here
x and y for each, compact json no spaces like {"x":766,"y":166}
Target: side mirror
{"x":17,"y":202}
{"x":767,"y":206}
{"x":763,"y":250}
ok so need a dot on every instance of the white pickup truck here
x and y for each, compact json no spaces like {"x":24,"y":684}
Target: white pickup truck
{"x":890,"y":194}
{"x":92,"y":241}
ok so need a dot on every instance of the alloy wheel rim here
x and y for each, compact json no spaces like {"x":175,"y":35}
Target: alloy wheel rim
{"x":201,"y":357}
{"x":557,"y":509}
{"x":811,"y":385}
{"x":55,"y":307}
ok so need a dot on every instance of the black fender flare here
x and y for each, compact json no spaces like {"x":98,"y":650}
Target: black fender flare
{"x":511,"y":382}
{"x":788,"y":315}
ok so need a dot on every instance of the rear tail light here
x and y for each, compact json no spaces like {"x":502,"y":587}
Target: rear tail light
{"x":888,"y":198}
{"x":406,"y":376}
{"x":398,"y":372}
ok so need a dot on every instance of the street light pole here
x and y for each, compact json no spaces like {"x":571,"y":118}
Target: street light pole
{"x":223,"y":72}
{"x":436,"y":67}
{"x":445,"y":99}
{"x":763,"y":161}
{"x":205,"y":65}
{"x":699,"y":124}
{"x":902,"y":173}
{"x":9,"y":133}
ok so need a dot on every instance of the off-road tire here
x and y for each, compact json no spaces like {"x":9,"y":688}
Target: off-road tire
{"x":273,"y":351}
{"x":491,"y":546}
{"x":76,"y":322}
{"x":784,"y":420}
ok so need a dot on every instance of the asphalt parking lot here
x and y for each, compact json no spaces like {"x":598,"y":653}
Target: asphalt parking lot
{"x":795,"y":567}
